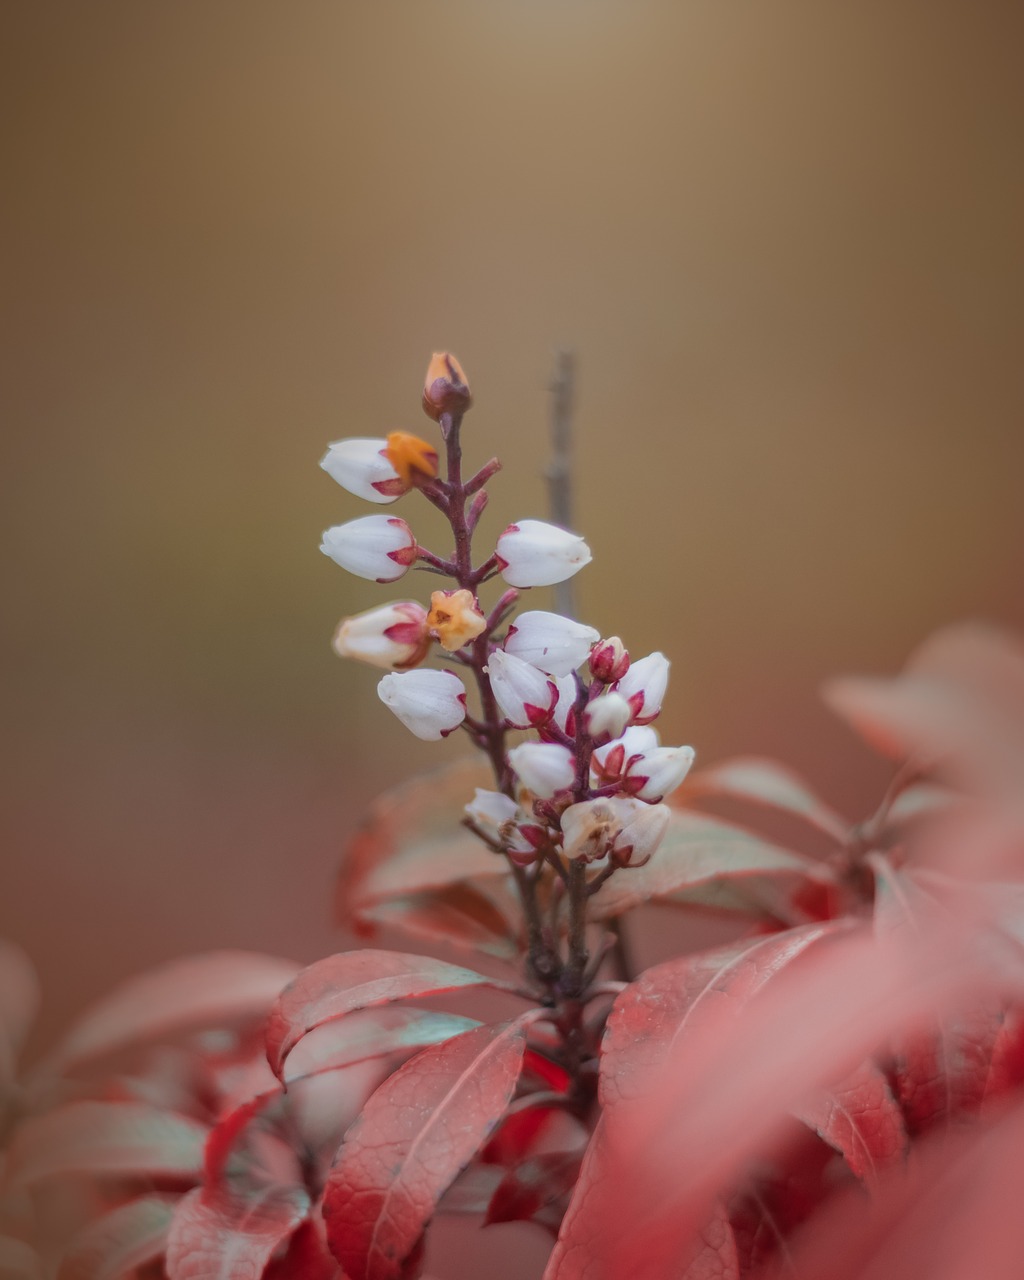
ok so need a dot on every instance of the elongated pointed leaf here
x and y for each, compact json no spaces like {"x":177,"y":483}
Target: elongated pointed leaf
{"x":341,"y":984}
{"x":413,"y":840}
{"x":223,"y":1237}
{"x":126,"y":1238}
{"x":371,"y":1033}
{"x":457,"y":914}
{"x":765,"y":782}
{"x":700,"y":853}
{"x":106,"y":1138}
{"x":185,"y":995}
{"x":579,"y":1254}
{"x":416,"y":1133}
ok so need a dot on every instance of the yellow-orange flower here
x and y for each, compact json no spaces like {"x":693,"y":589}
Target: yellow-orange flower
{"x":445,"y":389}
{"x":454,"y":618}
{"x":410,"y":456}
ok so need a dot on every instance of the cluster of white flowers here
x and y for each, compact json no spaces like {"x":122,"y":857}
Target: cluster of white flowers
{"x":590,"y":783}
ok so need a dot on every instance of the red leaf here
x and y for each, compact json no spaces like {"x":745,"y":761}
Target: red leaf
{"x":307,"y":1258}
{"x":221,"y":1237}
{"x":578,"y":1252}
{"x":702,"y":856}
{"x":413,"y":839}
{"x":535,"y":1187}
{"x":106,"y":1138}
{"x":860,"y":1119}
{"x":418,"y":1130}
{"x":371,"y":1033}
{"x":126,"y":1238}
{"x":184,"y":995}
{"x":457,"y":914}
{"x":758,"y":781}
{"x":341,"y":984}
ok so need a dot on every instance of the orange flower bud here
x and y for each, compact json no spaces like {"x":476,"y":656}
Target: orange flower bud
{"x":454,"y":618}
{"x":410,"y":456}
{"x":445,"y":389}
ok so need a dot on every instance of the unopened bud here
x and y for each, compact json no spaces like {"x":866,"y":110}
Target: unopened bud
{"x":393,"y":635}
{"x":429,"y":703}
{"x":643,"y":686}
{"x":609,"y":660}
{"x":607,"y":716}
{"x":454,"y":618}
{"x":380,"y":548}
{"x":445,"y":389}
{"x":543,"y":767}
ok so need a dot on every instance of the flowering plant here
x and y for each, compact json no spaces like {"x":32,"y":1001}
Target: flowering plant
{"x":813,"y":1098}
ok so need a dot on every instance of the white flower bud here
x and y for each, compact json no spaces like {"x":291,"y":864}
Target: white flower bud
{"x":526,"y":696}
{"x":361,"y":466}
{"x":491,"y":811}
{"x":611,"y":761}
{"x":550,"y":642}
{"x":564,"y":712}
{"x":543,"y":767}
{"x":393,"y":635}
{"x":642,"y":830}
{"x":535,"y":554}
{"x":659,"y":771}
{"x":609,"y":660}
{"x":607,"y":716}
{"x":429,"y":703}
{"x":377,"y":547}
{"x":644,"y":686}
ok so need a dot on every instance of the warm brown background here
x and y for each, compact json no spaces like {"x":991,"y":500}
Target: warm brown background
{"x":784,"y":239}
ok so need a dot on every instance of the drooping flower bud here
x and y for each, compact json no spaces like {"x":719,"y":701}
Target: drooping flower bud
{"x":550,"y":642}
{"x":658,"y":772}
{"x":393,"y":635}
{"x":525,"y":695}
{"x":543,"y":767}
{"x":609,"y":660}
{"x":455,"y":618}
{"x":429,"y":703}
{"x":642,"y":830}
{"x":609,"y":763}
{"x":564,"y":714}
{"x":533,"y":553}
{"x":410,"y":456}
{"x":491,"y":812}
{"x":644,"y":686}
{"x":377,"y":547}
{"x":361,"y":466}
{"x":445,"y":389}
{"x":607,"y":716}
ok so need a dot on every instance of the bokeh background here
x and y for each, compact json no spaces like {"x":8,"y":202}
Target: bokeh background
{"x":783,"y":239}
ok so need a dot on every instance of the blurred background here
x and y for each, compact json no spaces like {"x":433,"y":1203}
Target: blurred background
{"x":783,"y":240}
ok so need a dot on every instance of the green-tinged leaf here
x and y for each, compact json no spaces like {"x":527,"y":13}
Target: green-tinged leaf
{"x":224,"y":1237}
{"x":372,"y":1033}
{"x":706,"y":860}
{"x":117,"y":1138}
{"x":122,"y":1240}
{"x":765,"y":782}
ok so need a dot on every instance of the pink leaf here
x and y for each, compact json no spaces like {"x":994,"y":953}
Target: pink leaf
{"x":860,"y":1119}
{"x":185,"y":995}
{"x":700,"y":853}
{"x":418,"y":1130}
{"x":765,"y":782}
{"x":372,"y":1033}
{"x":535,"y":1187}
{"x":457,"y":914}
{"x":128,"y":1237}
{"x":578,"y":1253}
{"x":413,"y":839}
{"x":341,"y":984}
{"x":227,"y":1237}
{"x":106,"y":1138}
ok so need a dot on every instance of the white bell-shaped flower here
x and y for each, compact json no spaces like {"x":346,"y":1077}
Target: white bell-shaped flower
{"x":610,"y":762}
{"x":525,"y":695}
{"x":532,"y":553}
{"x":564,"y":714}
{"x":550,"y":642}
{"x":361,"y":466}
{"x":627,"y":829}
{"x":644,"y":686}
{"x":491,"y":812}
{"x":380,"y":548}
{"x":392,"y":635}
{"x":607,"y":716}
{"x":543,"y":767}
{"x":659,"y":771}
{"x":429,"y":703}
{"x":642,"y":831}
